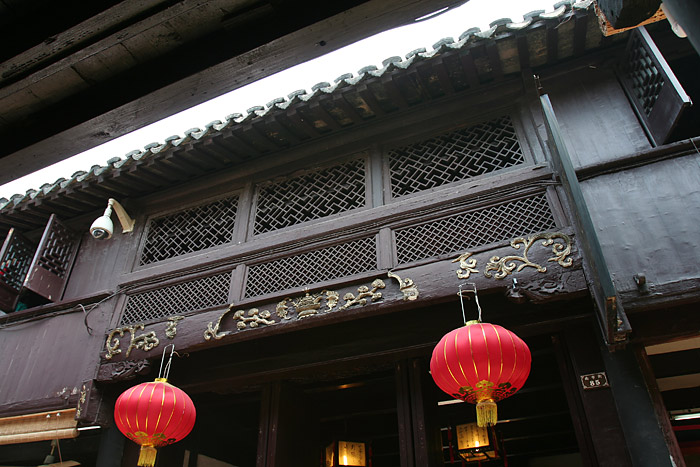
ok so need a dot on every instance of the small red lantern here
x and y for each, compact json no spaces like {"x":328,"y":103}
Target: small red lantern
{"x":481,"y":363}
{"x":153,"y":415}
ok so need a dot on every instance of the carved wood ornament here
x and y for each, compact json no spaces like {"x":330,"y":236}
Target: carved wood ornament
{"x":296,"y":308}
{"x":502,"y":267}
{"x":309,"y":305}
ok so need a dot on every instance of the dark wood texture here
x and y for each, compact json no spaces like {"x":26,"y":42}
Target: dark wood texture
{"x":628,"y":13}
{"x":436,"y":281}
{"x":600,"y":434}
{"x":612,"y":317}
{"x":87,"y":66}
{"x":53,"y":261}
{"x":688,"y":15}
{"x":672,"y":100}
{"x":644,"y":437}
{"x":585,"y":100}
{"x":46,"y":367}
{"x":659,"y":406}
{"x":648,"y":207}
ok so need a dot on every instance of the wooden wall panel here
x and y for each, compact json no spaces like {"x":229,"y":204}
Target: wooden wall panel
{"x":46,"y":361}
{"x":586,"y":101}
{"x":647,"y":222}
{"x":101,"y":262}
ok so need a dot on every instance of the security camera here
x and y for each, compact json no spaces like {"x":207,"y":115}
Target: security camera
{"x":103,"y":227}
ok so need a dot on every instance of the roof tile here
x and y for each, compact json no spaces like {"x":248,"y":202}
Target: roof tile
{"x":468,"y":39}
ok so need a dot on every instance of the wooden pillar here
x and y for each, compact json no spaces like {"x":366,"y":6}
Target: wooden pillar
{"x":419,"y":435}
{"x":283,"y":437}
{"x":111,"y":447}
{"x":645,"y":438}
{"x":593,"y":412}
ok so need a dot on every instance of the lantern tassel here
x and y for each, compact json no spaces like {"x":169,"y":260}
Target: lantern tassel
{"x":486,"y":413}
{"x":147,"y":456}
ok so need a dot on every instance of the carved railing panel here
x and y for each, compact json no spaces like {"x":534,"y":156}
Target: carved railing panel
{"x":329,"y":263}
{"x":176,"y":299}
{"x":190,"y":230}
{"x":474,"y":228}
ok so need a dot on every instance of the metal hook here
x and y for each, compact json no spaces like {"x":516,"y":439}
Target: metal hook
{"x":167,"y":365}
{"x":476,"y":300}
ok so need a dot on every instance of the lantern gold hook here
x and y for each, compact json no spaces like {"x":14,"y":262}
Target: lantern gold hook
{"x":167,"y":365}
{"x":461,"y":300}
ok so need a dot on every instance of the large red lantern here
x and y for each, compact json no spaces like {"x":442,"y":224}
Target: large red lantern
{"x":481,"y":363}
{"x":153,"y":415}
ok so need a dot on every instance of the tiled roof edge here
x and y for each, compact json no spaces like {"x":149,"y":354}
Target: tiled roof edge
{"x":138,"y":157}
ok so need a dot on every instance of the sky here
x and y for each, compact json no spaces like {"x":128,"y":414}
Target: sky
{"x":349,"y":59}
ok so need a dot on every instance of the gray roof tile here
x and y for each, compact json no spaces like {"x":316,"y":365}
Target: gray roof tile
{"x":350,"y":91}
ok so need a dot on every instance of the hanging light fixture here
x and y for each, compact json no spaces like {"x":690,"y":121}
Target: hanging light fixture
{"x":154,"y":414}
{"x":346,"y":453}
{"x":480,"y":363}
{"x":476,"y":443}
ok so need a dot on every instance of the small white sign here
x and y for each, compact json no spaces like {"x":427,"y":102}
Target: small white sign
{"x":595,"y":381}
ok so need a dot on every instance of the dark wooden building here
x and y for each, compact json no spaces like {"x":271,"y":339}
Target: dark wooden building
{"x":304,"y":259}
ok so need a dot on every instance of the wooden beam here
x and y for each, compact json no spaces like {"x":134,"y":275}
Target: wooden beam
{"x":57,"y":140}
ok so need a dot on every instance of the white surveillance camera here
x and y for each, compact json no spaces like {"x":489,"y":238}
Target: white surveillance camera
{"x":102,"y":228}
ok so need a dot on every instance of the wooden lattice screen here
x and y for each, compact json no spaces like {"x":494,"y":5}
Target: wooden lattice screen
{"x":194,"y":295}
{"x":328,"y":263}
{"x":190,"y":230}
{"x":53,"y":260}
{"x":651,"y":86}
{"x":15,"y":258}
{"x":474,"y":228}
{"x":312,"y":195}
{"x":468,"y":152}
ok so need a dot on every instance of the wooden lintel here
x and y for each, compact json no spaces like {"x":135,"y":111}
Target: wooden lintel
{"x":409,"y":288}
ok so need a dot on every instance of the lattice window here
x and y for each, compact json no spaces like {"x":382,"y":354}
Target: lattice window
{"x":461,"y":154}
{"x":480,"y":227}
{"x":177,"y":299}
{"x":310,"y":196}
{"x":653,"y":89}
{"x":329,"y":263}
{"x":16,"y":257}
{"x":645,"y":78}
{"x":58,"y":250}
{"x":190,"y":230}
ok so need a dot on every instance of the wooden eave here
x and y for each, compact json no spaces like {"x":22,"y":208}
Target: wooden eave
{"x":477,"y":60}
{"x":118,"y":65}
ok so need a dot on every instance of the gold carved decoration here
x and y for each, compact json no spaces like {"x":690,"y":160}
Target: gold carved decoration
{"x":363,"y":293}
{"x":407,"y":286}
{"x":561,"y":248}
{"x":255,"y":318}
{"x":466,"y":265}
{"x":81,"y":401}
{"x":171,"y":329}
{"x":212,"y":332}
{"x":309,"y":304}
{"x":145,"y":342}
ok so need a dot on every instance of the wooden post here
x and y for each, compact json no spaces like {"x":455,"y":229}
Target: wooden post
{"x":419,"y":436}
{"x":613,"y":320}
{"x":643,"y":434}
{"x":593,"y":413}
{"x":283,"y":436}
{"x":111,"y":447}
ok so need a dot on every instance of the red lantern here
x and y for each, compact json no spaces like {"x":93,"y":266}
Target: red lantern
{"x":153,"y":415}
{"x":481,"y":363}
